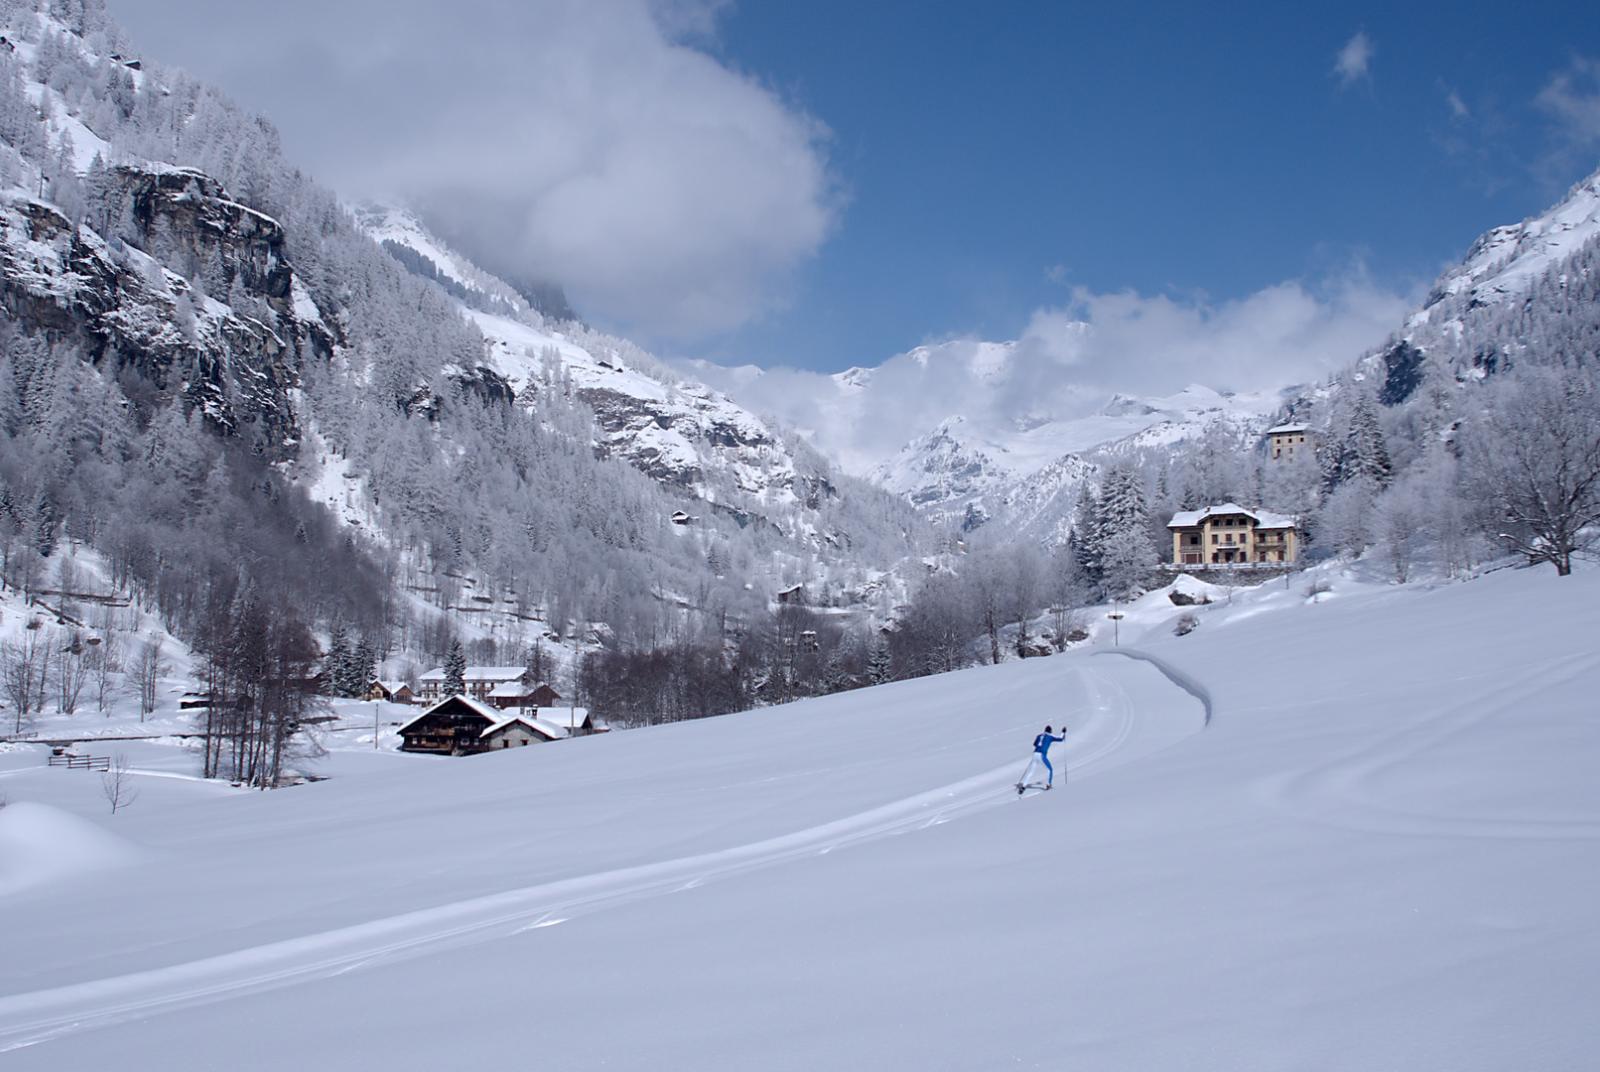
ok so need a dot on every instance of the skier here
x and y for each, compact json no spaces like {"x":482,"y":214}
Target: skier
{"x":1041,"y":752}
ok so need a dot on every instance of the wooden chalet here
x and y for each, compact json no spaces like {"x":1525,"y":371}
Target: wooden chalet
{"x":392,"y":691}
{"x":461,"y":726}
{"x":517,"y":695}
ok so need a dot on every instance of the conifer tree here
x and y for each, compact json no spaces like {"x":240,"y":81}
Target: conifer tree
{"x":335,"y":665}
{"x":455,"y":670}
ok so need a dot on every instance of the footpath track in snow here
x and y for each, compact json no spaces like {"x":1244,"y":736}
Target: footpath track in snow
{"x":1112,"y":732}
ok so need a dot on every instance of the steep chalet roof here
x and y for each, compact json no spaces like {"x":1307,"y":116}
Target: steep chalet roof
{"x":480,"y":673}
{"x":1188,"y":519}
{"x":1288,"y":429}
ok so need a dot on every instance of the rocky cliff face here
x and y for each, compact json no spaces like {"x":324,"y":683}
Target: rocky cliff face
{"x":233,"y":354}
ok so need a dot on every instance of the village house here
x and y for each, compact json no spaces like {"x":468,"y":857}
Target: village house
{"x":462,"y":726}
{"x":575,"y":720}
{"x":1288,"y":441}
{"x":392,"y":691}
{"x":1230,"y":535}
{"x":480,"y":681}
{"x":518,"y":695}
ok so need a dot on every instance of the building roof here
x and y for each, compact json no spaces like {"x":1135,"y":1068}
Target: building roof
{"x":392,"y":687}
{"x":568,"y":718}
{"x":489,"y":714}
{"x":1288,"y":429}
{"x":480,"y":673}
{"x":538,"y":725}
{"x":1188,"y":519}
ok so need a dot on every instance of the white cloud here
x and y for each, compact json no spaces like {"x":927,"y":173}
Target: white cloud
{"x":1572,"y":98}
{"x":586,"y":141}
{"x":1458,"y":107}
{"x":1353,"y":62}
{"x":1069,"y":360}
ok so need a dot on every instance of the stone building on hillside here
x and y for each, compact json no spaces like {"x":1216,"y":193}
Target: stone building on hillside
{"x":1289,"y":441}
{"x":1230,"y":535}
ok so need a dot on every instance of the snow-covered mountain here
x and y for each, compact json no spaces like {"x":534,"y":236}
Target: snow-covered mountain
{"x":999,"y":431}
{"x":980,"y":470}
{"x":1507,"y":261}
{"x":1527,"y":292}
{"x":187,"y":317}
{"x":674,"y":430}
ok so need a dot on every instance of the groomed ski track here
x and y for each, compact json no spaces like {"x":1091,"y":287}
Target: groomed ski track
{"x":1108,"y":729}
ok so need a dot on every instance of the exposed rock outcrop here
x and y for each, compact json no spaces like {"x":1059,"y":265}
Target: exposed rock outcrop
{"x":234,"y":354}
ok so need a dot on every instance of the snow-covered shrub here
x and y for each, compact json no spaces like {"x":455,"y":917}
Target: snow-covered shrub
{"x":1187,"y":624}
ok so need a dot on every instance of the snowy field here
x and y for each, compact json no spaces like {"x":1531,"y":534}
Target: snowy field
{"x":1379,"y":853}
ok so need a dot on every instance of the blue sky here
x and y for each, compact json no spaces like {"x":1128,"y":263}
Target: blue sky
{"x":824,"y":184}
{"x":992,"y":157}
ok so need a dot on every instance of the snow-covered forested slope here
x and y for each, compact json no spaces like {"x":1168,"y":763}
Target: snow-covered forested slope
{"x":1369,"y":846}
{"x":166,"y":272}
{"x":677,"y":431}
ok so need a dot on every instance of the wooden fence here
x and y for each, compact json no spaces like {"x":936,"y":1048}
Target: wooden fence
{"x":102,"y":763}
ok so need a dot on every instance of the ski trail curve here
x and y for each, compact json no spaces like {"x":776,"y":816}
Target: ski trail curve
{"x":1350,"y":791}
{"x":1185,"y":681}
{"x":35,"y":1017}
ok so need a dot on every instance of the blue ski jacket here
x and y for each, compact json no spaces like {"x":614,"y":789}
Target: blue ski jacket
{"x":1042,"y":743}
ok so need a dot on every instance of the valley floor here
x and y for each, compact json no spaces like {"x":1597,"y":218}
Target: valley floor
{"x":1363,"y":836}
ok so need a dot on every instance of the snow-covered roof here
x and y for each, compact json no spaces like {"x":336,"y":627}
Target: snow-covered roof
{"x":543,"y":727}
{"x":1188,"y":519}
{"x":480,"y":673}
{"x":568,"y":718}
{"x":490,"y":713}
{"x":1288,"y":429}
{"x":1267,"y":520}
{"x":392,"y":687}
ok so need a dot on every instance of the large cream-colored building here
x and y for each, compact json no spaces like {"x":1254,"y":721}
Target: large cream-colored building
{"x":1288,"y":441}
{"x":1230,"y":535}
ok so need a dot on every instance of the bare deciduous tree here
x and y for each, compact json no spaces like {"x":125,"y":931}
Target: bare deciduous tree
{"x":24,"y":670}
{"x":1536,"y":456}
{"x":105,"y":660}
{"x":117,"y":784}
{"x":148,"y":666}
{"x":73,"y":670}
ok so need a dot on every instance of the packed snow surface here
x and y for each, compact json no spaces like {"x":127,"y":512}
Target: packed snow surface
{"x":40,"y":844}
{"x":1352,"y":830}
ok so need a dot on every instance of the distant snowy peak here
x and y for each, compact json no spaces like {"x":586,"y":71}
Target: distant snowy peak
{"x":949,"y":464}
{"x":1508,"y":260}
{"x":963,"y":459}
